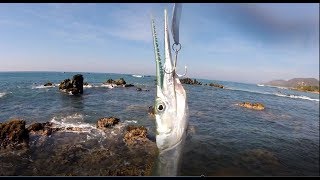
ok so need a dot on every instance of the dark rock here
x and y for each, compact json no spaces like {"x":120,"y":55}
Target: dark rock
{"x":77,"y":82}
{"x":135,"y":134}
{"x":120,"y":81}
{"x":190,"y":81}
{"x":107,"y":122}
{"x":65,"y":84}
{"x":128,"y":85}
{"x":48,"y":84}
{"x":86,"y":84}
{"x":139,"y":89}
{"x":256,"y":106}
{"x":75,"y":86}
{"x":14,"y":134}
{"x":43,"y":129}
{"x":110,"y":81}
{"x":74,"y":129}
{"x":36,"y":127}
{"x":216,"y":85}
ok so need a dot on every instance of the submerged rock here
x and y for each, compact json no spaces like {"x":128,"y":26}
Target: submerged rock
{"x":75,"y":86}
{"x":107,"y":122}
{"x":135,"y":134}
{"x":256,"y":106}
{"x":190,"y":81}
{"x":128,"y":85}
{"x":48,"y":84}
{"x":216,"y":85}
{"x":14,"y":134}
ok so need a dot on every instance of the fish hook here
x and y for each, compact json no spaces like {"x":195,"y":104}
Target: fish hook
{"x":177,"y":47}
{"x":185,"y":72}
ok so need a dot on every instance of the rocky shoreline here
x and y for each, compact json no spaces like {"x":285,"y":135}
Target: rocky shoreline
{"x":112,"y":148}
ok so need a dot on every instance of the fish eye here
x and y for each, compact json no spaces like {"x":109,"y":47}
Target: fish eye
{"x":160,"y":107}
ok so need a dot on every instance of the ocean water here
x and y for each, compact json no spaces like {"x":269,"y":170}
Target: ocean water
{"x":225,"y":139}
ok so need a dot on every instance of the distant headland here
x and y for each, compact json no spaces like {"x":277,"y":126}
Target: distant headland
{"x":300,"y":84}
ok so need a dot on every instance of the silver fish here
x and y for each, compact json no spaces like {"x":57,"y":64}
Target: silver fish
{"x":171,"y":109}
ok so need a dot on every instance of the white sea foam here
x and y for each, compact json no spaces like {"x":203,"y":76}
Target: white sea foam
{"x":110,"y":86}
{"x":2,"y":94}
{"x":88,"y":86}
{"x":130,"y":121}
{"x":277,"y":94}
{"x":75,"y":120}
{"x":260,"y":85}
{"x":138,"y":76}
{"x":42,"y":87}
{"x":296,"y":97}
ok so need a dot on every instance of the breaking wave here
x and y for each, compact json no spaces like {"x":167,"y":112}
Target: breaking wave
{"x":138,"y":76}
{"x":42,"y":87}
{"x":277,"y":94}
{"x":296,"y":97}
{"x":2,"y":94}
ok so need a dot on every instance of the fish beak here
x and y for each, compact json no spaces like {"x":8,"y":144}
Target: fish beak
{"x":159,"y":70}
{"x":168,"y":64}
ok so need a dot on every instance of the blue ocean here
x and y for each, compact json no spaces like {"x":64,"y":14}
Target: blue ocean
{"x":225,"y":139}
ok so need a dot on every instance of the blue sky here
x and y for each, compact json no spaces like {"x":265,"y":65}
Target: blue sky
{"x":233,"y":42}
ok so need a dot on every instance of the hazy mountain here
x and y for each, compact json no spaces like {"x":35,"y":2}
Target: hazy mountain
{"x":295,"y":82}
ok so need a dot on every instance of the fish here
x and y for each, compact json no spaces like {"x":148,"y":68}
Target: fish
{"x":171,"y":108}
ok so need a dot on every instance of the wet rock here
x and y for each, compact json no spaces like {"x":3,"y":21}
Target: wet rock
{"x":110,"y":81}
{"x":65,"y":84}
{"x":120,"y":81}
{"x":190,"y":81}
{"x":14,"y":134}
{"x":86,"y":84}
{"x":36,"y":127}
{"x":74,"y":129}
{"x":216,"y":85}
{"x":140,"y":89}
{"x":67,"y":153}
{"x":75,"y":86}
{"x":128,"y":85}
{"x":261,"y":161}
{"x":107,"y":122}
{"x":77,"y":82}
{"x":135,"y":134}
{"x":48,"y":84}
{"x":43,"y":129}
{"x":256,"y":106}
